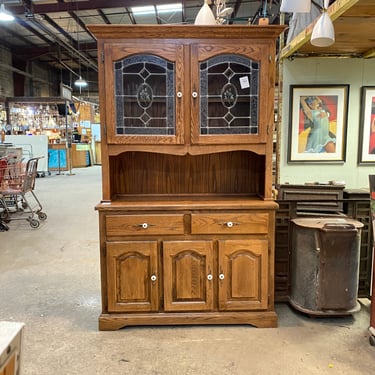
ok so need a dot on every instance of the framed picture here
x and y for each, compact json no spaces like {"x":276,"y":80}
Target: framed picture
{"x":366,"y":146}
{"x":317,"y":123}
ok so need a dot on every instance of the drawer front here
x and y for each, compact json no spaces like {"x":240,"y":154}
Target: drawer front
{"x":314,"y":197}
{"x":230,"y":223}
{"x":120,"y":225}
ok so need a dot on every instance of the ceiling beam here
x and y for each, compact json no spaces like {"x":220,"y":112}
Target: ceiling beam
{"x":52,"y":23}
{"x":14,"y":34}
{"x":131,"y":16}
{"x":27,"y":26}
{"x":158,"y":20}
{"x":236,"y":7}
{"x":77,"y":5}
{"x":103,"y":16}
{"x":183,"y":11}
{"x":70,"y":46}
{"x":81,"y":24}
{"x":22,"y":72}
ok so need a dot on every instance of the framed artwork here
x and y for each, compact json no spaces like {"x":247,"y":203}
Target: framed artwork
{"x":317,"y":123}
{"x":366,"y":148}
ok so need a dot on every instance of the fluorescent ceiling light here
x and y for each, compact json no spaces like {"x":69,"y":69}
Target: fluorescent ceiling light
{"x":177,"y":7}
{"x":150,"y":9}
{"x":5,"y":15}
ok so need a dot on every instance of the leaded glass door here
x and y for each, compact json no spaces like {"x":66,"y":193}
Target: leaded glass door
{"x":147,"y":107}
{"x":227,"y":94}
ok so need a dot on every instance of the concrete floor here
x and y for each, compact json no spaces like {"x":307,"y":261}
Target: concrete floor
{"x":49,"y":279}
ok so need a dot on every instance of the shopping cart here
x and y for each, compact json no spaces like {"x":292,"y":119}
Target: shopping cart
{"x":18,"y":200}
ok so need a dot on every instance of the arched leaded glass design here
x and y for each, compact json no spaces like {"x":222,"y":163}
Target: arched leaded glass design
{"x":229,"y":95}
{"x":144,"y":96}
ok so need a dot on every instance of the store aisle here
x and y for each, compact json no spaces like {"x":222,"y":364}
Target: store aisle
{"x":49,"y":279}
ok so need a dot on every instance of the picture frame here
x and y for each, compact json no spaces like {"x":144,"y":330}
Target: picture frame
{"x":318,"y":123}
{"x":366,"y":144}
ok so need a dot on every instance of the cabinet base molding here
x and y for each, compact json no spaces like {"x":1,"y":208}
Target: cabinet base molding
{"x":260,"y":319}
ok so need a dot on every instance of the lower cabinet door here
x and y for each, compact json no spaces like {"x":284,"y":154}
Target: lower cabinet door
{"x":243,"y":274}
{"x":188,"y":275}
{"x":132,"y":276}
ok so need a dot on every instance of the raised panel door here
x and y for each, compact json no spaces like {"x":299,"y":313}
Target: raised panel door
{"x":188,"y":280}
{"x":243,"y":274}
{"x":132,"y":276}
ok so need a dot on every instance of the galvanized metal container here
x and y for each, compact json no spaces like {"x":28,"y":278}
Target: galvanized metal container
{"x":325,"y":265}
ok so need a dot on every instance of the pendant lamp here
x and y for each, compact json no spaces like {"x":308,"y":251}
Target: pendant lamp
{"x":323,"y":34}
{"x":205,"y":15}
{"x":80,"y":82}
{"x":295,"y":6}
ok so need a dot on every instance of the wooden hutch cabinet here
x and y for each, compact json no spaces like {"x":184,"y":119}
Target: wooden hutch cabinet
{"x":187,"y":216}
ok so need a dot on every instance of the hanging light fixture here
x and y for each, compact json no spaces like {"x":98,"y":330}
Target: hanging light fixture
{"x":323,"y":34}
{"x":4,"y":14}
{"x":205,"y":15}
{"x":295,"y":6}
{"x":80,"y":82}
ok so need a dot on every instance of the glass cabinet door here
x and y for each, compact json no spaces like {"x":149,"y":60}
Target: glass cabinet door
{"x":146,"y":104}
{"x":228,"y":94}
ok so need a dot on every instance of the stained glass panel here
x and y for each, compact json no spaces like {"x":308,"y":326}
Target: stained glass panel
{"x":144,"y":96}
{"x":229,"y":95}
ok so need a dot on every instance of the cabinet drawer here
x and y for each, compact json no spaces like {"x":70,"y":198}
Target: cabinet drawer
{"x":229,"y":223}
{"x":120,"y":225}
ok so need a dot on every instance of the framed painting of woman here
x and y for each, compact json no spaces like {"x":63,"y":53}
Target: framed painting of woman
{"x":317,"y":123}
{"x":366,"y":145}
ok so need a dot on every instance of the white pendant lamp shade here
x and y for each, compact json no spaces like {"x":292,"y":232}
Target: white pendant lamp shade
{"x":80,"y":82}
{"x":205,"y":16}
{"x":295,"y":6}
{"x":323,"y":34}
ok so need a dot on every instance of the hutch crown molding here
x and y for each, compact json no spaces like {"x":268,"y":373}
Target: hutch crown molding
{"x":187,"y":217}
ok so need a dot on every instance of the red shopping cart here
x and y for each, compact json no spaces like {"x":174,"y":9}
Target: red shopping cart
{"x":18,"y":200}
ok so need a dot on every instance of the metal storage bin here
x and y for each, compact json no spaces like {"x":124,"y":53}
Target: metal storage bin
{"x":325,"y":265}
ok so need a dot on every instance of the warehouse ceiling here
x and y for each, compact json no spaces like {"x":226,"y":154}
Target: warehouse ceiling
{"x":54,"y":32}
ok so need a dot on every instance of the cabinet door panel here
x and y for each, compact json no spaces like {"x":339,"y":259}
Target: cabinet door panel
{"x":132,"y":276}
{"x":243,"y":274}
{"x":188,"y":271}
{"x":231,"y":91}
{"x":143,"y":87}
